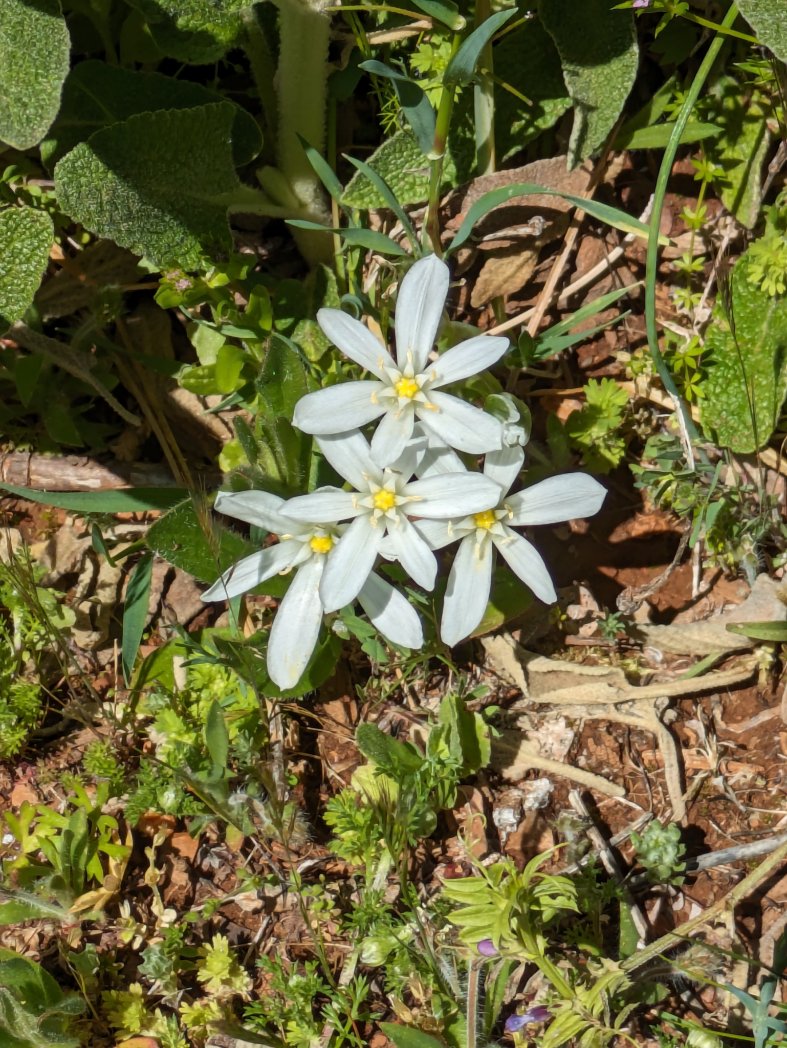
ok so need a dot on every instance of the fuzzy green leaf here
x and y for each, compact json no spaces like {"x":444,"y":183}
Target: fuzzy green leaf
{"x":770,"y":632}
{"x":26,"y":238}
{"x":197,"y":543}
{"x":526,"y":60}
{"x":598,"y":50}
{"x":391,"y":756}
{"x":34,"y":56}
{"x":409,"y":1036}
{"x":767,"y":19}
{"x":740,"y":150}
{"x":127,"y":500}
{"x":96,"y":95}
{"x":158,"y":184}
{"x":195,"y":31}
{"x":747,"y":371}
{"x":216,"y":736}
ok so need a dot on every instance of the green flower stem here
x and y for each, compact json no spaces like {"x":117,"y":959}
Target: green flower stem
{"x":484,"y":100}
{"x":431,"y":230}
{"x":658,"y":204}
{"x":547,"y":968}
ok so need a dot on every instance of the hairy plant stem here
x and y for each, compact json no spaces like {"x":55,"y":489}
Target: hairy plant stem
{"x":484,"y":100}
{"x":665,"y":170}
{"x":431,"y":229}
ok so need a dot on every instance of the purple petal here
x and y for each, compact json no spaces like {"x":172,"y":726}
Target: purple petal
{"x":487,"y":948}
{"x":539,"y":1013}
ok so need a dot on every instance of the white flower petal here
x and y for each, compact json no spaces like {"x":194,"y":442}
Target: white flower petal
{"x":324,"y":506}
{"x":337,"y":409}
{"x":297,"y":625}
{"x":253,"y":570}
{"x":504,"y":466}
{"x":526,"y":562}
{"x":349,"y":563}
{"x":355,"y":340}
{"x":436,"y":533}
{"x":467,"y":593}
{"x":559,"y":498}
{"x":437,"y":457}
{"x":391,"y":436}
{"x":391,"y":613}
{"x":452,"y":495}
{"x":419,"y":308}
{"x":460,"y":425}
{"x":413,"y":553}
{"x":468,"y":358}
{"x":260,"y":508}
{"x":350,"y":456}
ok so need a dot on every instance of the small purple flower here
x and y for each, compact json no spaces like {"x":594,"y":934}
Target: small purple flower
{"x":488,"y":949}
{"x":641,"y":3}
{"x":539,"y":1013}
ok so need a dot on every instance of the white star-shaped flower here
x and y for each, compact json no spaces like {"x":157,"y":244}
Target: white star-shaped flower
{"x":408,"y":387}
{"x":305,"y":548}
{"x":381,"y":507}
{"x":479,"y":534}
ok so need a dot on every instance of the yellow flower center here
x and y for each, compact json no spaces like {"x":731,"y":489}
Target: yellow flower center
{"x":384,"y":500}
{"x":485,"y":520}
{"x":321,"y":543}
{"x":406,"y":387}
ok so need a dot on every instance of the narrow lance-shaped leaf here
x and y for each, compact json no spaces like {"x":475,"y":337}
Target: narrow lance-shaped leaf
{"x":34,"y":46}
{"x":461,"y":68}
{"x":135,"y":611}
{"x":411,"y":97}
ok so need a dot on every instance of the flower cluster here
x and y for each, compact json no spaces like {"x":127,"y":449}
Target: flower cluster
{"x":408,"y":492}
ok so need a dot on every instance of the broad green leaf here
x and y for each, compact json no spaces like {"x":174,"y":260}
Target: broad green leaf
{"x":741,"y":148}
{"x":30,"y":908}
{"x":195,"y":31}
{"x":34,"y":57}
{"x":747,"y":372}
{"x":598,"y":50}
{"x":461,"y":68}
{"x":125,"y":500}
{"x":26,"y":238}
{"x":283,"y":378}
{"x":135,"y":611}
{"x":409,"y":1036}
{"x":193,"y":540}
{"x":527,"y":61}
{"x":509,"y":598}
{"x":96,"y":95}
{"x":391,"y":756}
{"x":158,"y":184}
{"x":610,"y":215}
{"x":769,"y":22}
{"x":401,"y":163}
{"x":216,"y":736}
{"x":416,"y":107}
{"x":772,"y":632}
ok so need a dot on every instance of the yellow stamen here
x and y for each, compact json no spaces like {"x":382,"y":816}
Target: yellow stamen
{"x":321,"y":543}
{"x":384,"y":500}
{"x":406,"y":387}
{"x":485,"y":520}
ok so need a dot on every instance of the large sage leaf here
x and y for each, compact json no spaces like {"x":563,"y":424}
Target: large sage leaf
{"x":25,"y":242}
{"x":768,"y":19}
{"x":195,"y":31}
{"x":747,"y":365}
{"x":190,"y":538}
{"x":34,"y":46}
{"x":598,"y":50}
{"x":158,"y":184}
{"x":96,"y":95}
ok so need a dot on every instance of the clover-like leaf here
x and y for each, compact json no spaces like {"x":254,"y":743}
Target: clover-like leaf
{"x":25,"y":241}
{"x":34,"y":47}
{"x":158,"y":184}
{"x":96,"y":95}
{"x":598,"y":50}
